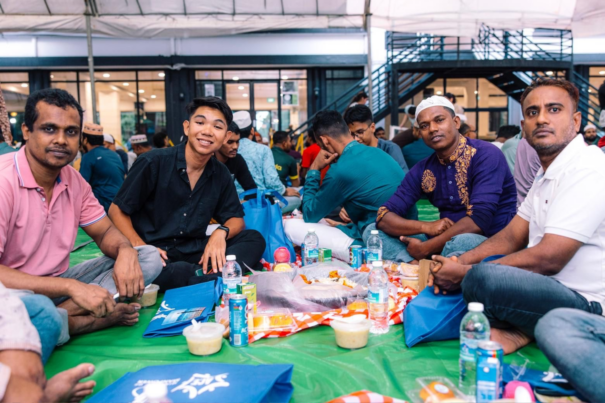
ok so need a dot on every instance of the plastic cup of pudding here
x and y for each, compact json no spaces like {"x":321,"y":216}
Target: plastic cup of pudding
{"x":352,"y":332}
{"x":150,"y":296}
{"x":205,"y":339}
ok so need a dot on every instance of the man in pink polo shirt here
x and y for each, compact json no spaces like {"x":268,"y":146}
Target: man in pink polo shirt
{"x":43,"y":200}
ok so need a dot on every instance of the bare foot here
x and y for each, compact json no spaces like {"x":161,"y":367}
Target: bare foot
{"x":66,"y":386}
{"x":511,"y":339}
{"x":123,"y":315}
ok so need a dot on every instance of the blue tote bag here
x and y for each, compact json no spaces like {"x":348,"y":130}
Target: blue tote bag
{"x":181,"y":305}
{"x":431,"y":317}
{"x":266,"y":218}
{"x":205,"y":382}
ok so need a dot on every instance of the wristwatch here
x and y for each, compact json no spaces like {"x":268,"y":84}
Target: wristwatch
{"x":226,"y":229}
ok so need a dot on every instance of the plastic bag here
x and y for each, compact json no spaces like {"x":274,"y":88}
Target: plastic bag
{"x":278,"y":290}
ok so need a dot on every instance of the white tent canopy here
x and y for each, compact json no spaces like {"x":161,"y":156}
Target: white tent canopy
{"x":197,"y":18}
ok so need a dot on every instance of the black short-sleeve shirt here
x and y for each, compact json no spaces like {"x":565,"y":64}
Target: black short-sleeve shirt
{"x":165,"y":212}
{"x":240,"y":172}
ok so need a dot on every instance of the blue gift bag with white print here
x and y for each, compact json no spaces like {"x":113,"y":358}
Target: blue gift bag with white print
{"x":266,"y":218}
{"x":181,"y":305}
{"x":205,"y":382}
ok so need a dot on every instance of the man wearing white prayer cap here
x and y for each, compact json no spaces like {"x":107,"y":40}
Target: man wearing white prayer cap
{"x":110,"y":143}
{"x":468,"y":180}
{"x":590,"y":134}
{"x":140,"y":144}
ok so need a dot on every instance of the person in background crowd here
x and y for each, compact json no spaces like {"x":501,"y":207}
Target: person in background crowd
{"x":468,"y":131}
{"x":261,"y":163}
{"x":100,"y":167}
{"x":409,"y":116}
{"x":467,"y":180}
{"x":42,"y":204}
{"x":293,"y":153}
{"x":5,"y":148}
{"x":590,"y":134}
{"x":414,"y":148}
{"x":360,"y":99}
{"x":309,"y":155}
{"x":361,"y":124}
{"x":602,"y":97}
{"x":110,"y":143}
{"x":553,"y":249}
{"x":171,"y":195}
{"x":284,"y":164}
{"x":381,"y":133}
{"x":573,"y":342}
{"x":360,"y":181}
{"x":457,"y":108}
{"x":236,"y":164}
{"x":22,"y":377}
{"x":509,"y":149}
{"x":527,"y":165}
{"x":161,"y":140}
{"x":505,"y":133}
{"x":140,"y":144}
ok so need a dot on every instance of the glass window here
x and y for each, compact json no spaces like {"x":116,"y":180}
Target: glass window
{"x":465,"y":90}
{"x":63,"y":76}
{"x":209,"y":89}
{"x":15,"y":96}
{"x":490,"y":96}
{"x":152,"y":107}
{"x":238,"y":96}
{"x":250,"y":74}
{"x":292,"y":74}
{"x":208,"y":75}
{"x":293,"y":104}
{"x":597,"y":71}
{"x":152,"y":75}
{"x":109,"y":75}
{"x":14,"y":78}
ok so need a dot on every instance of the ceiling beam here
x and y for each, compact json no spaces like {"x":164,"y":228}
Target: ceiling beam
{"x":283,"y":10}
{"x":1,"y":9}
{"x":185,"y":6}
{"x":317,"y":7}
{"x":47,"y":8}
{"x":140,"y":9}
{"x":233,"y":12}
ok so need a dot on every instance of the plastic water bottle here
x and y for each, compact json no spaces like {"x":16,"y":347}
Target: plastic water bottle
{"x":232,"y":275}
{"x":378,"y":297}
{"x":310,"y":248}
{"x":156,"y":392}
{"x":374,"y":246}
{"x":473,"y":329}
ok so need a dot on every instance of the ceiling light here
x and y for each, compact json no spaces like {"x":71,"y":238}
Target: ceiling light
{"x":153,"y":96}
{"x":476,"y":92}
{"x":13,"y":114}
{"x":284,"y":77}
{"x":549,"y":73}
{"x":24,"y":85}
{"x":241,"y":87}
{"x":51,"y":76}
{"x":589,"y":90}
{"x":438,"y":92}
{"x":141,"y":91}
{"x":13,"y":120}
{"x":12,"y":88}
{"x":161,"y":74}
{"x":602,"y":72}
{"x":113,"y":87}
{"x":244,"y":95}
{"x":106,"y":75}
{"x":235,"y":78}
{"x":144,"y":99}
{"x":130,"y":94}
{"x":125,"y":84}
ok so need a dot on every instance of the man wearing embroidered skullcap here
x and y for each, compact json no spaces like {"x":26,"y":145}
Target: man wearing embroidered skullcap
{"x":140,"y":144}
{"x":100,"y":167}
{"x":590,"y":134}
{"x":467,"y":180}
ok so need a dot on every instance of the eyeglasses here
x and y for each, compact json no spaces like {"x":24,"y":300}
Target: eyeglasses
{"x":360,"y":132}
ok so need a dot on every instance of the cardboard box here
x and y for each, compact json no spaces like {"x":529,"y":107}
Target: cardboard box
{"x":249,"y":290}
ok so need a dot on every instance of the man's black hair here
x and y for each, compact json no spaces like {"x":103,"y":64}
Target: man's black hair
{"x":412,"y":110}
{"x":210,"y":102}
{"x":1,"y":135}
{"x":52,"y":96}
{"x":246,"y":132}
{"x":331,"y":124}
{"x":380,"y":128}
{"x":451,"y":96}
{"x":234,"y":128}
{"x":280,"y":137}
{"x":94,"y":140}
{"x":158,"y":139}
{"x":358,"y":113}
{"x":360,"y":95}
{"x":464,"y":128}
{"x":508,"y":131}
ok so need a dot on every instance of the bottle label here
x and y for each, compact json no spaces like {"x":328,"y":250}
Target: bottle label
{"x":312,"y":253}
{"x":379,"y":297}
{"x":468,"y":349}
{"x":372,"y":256}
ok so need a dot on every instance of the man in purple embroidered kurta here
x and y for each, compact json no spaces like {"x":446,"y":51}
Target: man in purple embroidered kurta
{"x":467,"y":180}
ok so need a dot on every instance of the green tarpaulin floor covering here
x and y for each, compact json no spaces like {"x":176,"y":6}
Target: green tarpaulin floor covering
{"x":322,"y":371}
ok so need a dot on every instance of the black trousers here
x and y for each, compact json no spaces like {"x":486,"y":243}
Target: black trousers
{"x":248,"y":247}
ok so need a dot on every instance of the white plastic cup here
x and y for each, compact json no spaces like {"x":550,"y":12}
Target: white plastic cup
{"x":351,"y":335}
{"x":205,"y":339}
{"x":150,"y":296}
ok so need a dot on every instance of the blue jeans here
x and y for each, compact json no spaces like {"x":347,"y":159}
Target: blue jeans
{"x":574,"y":341}
{"x":46,"y":319}
{"x":395,"y":250}
{"x":294,"y":202}
{"x":516,"y":298}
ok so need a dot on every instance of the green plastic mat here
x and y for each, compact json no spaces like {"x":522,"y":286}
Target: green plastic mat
{"x":322,"y":371}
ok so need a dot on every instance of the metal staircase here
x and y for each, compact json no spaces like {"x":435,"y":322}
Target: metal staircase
{"x":416,"y":60}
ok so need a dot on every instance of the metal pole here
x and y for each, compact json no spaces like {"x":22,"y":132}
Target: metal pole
{"x":369,"y":37}
{"x":91,"y":70}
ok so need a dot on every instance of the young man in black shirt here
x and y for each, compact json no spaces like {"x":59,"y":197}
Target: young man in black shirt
{"x":236,"y":164}
{"x":171,"y":194}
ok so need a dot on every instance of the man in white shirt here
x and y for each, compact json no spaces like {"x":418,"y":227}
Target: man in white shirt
{"x":551,"y":255}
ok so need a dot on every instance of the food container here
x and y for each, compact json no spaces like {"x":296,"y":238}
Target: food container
{"x":435,"y":390}
{"x":411,"y":282}
{"x":279,"y":319}
{"x":205,"y":339}
{"x":150,"y":296}
{"x":352,"y":332}
{"x":409,"y":270}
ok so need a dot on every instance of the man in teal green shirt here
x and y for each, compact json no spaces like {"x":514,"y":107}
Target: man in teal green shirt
{"x":5,"y":148}
{"x":284,"y":163}
{"x":360,"y":179}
